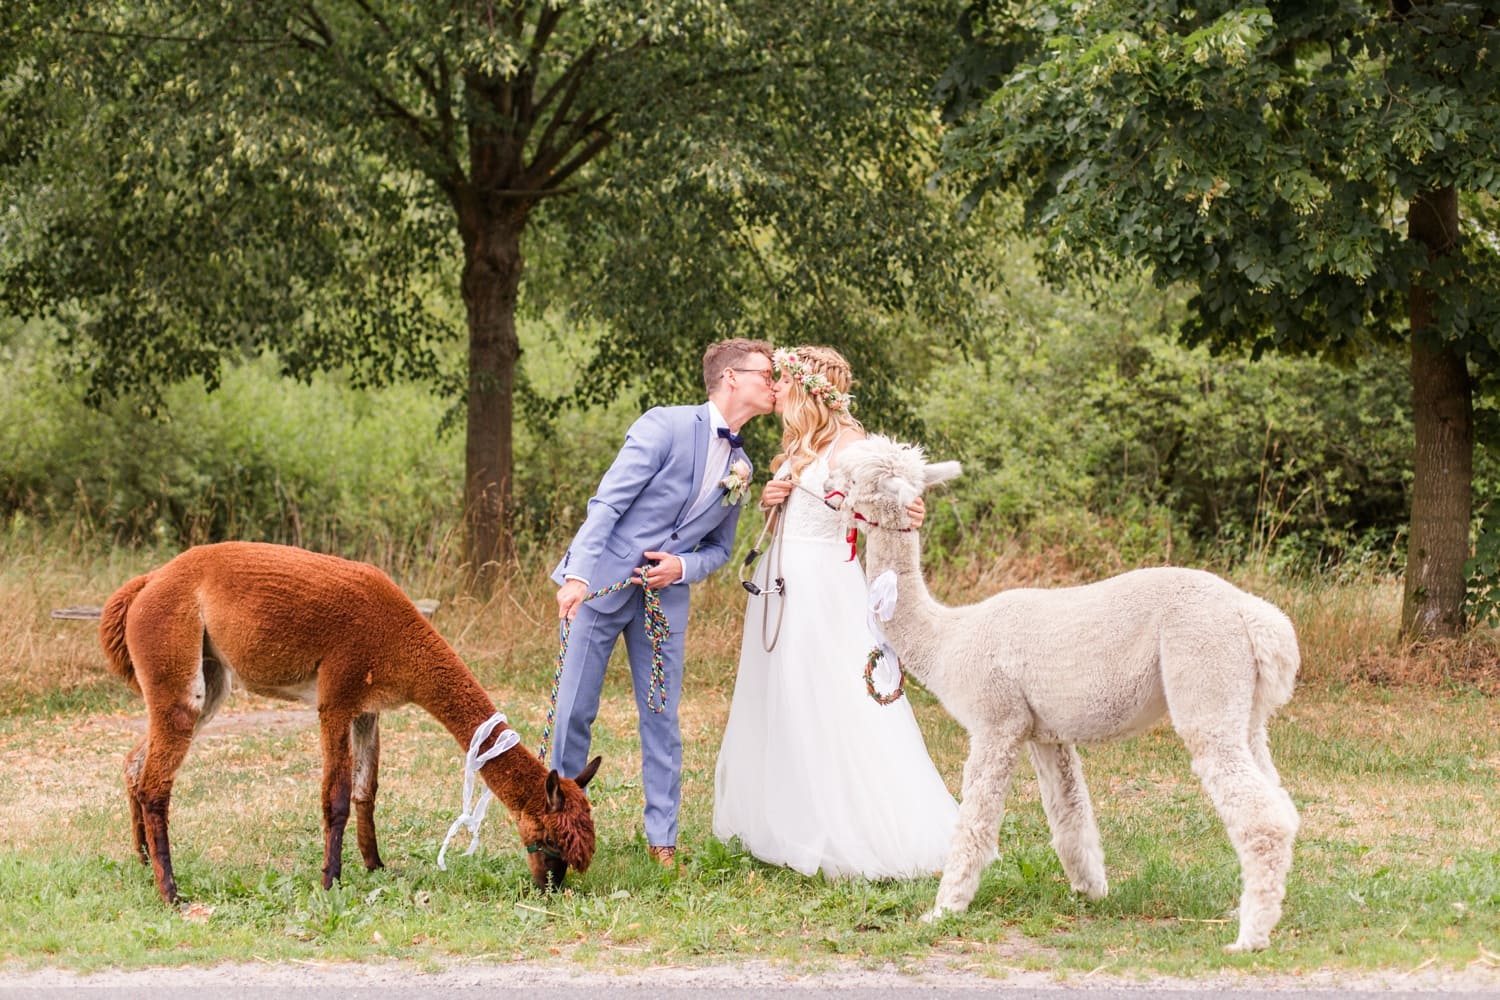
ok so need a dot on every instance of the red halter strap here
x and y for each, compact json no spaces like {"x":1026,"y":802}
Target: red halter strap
{"x":853,"y":535}
{"x":854,"y":531}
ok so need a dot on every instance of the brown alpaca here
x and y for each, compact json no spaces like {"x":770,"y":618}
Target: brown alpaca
{"x":340,"y":635}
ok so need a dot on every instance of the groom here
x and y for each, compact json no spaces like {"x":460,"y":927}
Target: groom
{"x":664,"y":517}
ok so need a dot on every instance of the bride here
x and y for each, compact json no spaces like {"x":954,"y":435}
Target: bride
{"x":813,"y":773}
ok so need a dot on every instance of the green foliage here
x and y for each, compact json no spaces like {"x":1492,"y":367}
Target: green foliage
{"x":320,"y":464}
{"x":177,"y":199}
{"x":1264,"y":156}
{"x":362,"y":471}
{"x":303,"y":178}
{"x":1090,"y":421}
{"x":1320,"y":176}
{"x":1082,"y":427}
{"x":1483,"y":571}
{"x":778,"y":186}
{"x":334,"y":186}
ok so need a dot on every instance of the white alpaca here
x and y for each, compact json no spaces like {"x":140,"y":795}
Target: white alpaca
{"x":1052,"y":668}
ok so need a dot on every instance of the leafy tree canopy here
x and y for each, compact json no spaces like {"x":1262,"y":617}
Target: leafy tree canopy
{"x":1321,"y":174}
{"x":286,"y":176}
{"x":1265,"y":155}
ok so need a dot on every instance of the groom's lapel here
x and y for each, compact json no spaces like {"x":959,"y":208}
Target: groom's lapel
{"x":700,"y":457}
{"x":715,"y":496}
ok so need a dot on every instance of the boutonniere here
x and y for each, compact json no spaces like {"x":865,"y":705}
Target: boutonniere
{"x":736,"y":484}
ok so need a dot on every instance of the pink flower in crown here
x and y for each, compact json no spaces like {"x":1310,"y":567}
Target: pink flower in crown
{"x":815,"y":384}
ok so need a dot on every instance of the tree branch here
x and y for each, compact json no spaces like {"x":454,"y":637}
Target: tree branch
{"x":423,"y":132}
{"x":574,"y":75}
{"x":137,"y":36}
{"x":587,"y":153}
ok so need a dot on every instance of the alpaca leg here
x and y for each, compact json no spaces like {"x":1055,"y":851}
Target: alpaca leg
{"x":337,"y":780}
{"x":134,"y":760}
{"x":1261,"y":822}
{"x":992,"y":759}
{"x":169,"y":733}
{"x":365,"y":733}
{"x":1070,"y":814}
{"x":1260,"y":749}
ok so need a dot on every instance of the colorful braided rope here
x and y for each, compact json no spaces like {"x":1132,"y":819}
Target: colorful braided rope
{"x":657,"y":630}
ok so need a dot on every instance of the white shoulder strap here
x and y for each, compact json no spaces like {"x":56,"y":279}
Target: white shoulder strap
{"x":833,"y":445}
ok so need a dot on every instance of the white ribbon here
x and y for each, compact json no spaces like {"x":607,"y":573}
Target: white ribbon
{"x":882,"y":607}
{"x":473,"y":761}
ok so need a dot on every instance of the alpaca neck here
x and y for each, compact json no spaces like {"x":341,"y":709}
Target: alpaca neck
{"x":450,"y":693}
{"x":912,"y":629}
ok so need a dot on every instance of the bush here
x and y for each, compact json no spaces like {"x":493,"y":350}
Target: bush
{"x":1080,"y":421}
{"x":262,"y":458}
{"x":361,"y":472}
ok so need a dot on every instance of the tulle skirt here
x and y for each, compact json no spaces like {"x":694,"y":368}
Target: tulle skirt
{"x":813,"y":773}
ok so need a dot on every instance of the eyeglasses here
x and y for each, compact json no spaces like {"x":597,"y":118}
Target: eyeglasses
{"x":765,"y":373}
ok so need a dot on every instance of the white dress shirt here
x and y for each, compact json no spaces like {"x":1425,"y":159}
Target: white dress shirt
{"x":716,"y":464}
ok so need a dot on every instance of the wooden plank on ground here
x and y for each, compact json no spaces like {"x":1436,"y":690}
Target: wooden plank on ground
{"x":91,"y":613}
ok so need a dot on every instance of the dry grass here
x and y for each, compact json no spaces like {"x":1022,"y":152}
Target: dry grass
{"x":511,"y":643}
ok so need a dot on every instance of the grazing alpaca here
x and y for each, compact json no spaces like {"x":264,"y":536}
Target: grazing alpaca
{"x":340,"y":635}
{"x":1051,"y":668}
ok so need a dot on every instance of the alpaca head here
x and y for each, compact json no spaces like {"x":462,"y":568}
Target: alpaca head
{"x":878,"y":477}
{"x":563,"y":835}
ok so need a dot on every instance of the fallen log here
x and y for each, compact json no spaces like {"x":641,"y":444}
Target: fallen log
{"x":91,"y":613}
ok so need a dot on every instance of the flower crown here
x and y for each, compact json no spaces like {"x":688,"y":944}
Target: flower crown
{"x":813,"y":383}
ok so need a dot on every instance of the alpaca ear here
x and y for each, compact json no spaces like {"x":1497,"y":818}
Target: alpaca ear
{"x":587,"y":774}
{"x":555,"y":801}
{"x":941,"y":472}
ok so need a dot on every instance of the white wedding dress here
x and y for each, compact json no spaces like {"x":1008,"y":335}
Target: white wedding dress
{"x":813,"y":773}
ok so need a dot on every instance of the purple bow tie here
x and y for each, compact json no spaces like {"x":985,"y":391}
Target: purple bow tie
{"x":735,"y":441}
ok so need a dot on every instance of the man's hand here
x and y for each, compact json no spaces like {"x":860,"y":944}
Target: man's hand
{"x":667,"y":571}
{"x":569,"y":598}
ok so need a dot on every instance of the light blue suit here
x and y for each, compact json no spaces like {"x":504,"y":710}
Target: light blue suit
{"x":645,"y":502}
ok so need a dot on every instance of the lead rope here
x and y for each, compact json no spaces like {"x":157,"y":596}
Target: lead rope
{"x":774,"y":527}
{"x":776,"y":589}
{"x":657,"y":630}
{"x":778,"y":537}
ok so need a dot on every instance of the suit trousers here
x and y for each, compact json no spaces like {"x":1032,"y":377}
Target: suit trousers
{"x":591,"y":640}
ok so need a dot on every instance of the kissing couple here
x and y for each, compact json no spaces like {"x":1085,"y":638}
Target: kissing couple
{"x":812,"y":774}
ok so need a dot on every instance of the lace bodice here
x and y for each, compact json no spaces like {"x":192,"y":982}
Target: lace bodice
{"x":807,"y":516}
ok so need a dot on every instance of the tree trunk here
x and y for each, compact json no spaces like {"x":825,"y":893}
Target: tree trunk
{"x":1443,"y":415}
{"x":491,"y":282}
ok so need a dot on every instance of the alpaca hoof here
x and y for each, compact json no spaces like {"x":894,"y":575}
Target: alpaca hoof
{"x":1241,"y":946}
{"x":940,"y":910}
{"x":1093,"y":890}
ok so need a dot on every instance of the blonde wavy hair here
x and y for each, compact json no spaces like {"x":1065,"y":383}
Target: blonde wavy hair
{"x":809,"y":426}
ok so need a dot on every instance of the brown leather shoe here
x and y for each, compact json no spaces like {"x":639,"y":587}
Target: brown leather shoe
{"x":665,"y":856}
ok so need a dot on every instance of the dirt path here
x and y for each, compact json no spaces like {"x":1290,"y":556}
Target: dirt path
{"x":749,"y":976}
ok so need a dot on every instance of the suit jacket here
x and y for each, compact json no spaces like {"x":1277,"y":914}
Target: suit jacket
{"x":645,"y":502}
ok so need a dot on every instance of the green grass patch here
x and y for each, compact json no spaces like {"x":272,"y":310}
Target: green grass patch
{"x":1395,"y":866}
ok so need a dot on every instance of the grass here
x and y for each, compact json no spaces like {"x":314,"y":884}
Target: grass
{"x":1396,"y":867}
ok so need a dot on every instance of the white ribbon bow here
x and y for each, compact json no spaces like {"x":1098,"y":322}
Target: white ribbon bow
{"x":882,"y":607}
{"x":473,"y":761}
